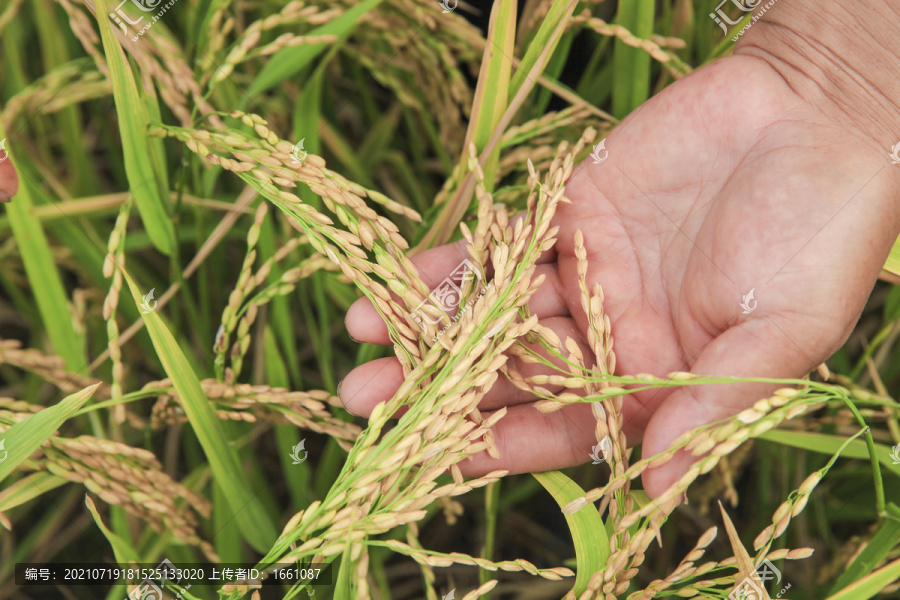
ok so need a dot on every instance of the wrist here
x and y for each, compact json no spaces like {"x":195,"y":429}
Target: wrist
{"x":838,"y":57}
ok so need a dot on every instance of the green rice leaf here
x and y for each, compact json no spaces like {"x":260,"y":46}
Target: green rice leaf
{"x":290,"y":61}
{"x":147,"y":188}
{"x":26,"y":436}
{"x":588,"y":531}
{"x":892,"y":264}
{"x":545,"y":38}
{"x":871,"y":585}
{"x":492,"y":91}
{"x":631,"y":71}
{"x":124,"y":553}
{"x":887,"y":537}
{"x":831,"y":444}
{"x":249,"y":514}
{"x":44,"y":279}
{"x":29,"y":488}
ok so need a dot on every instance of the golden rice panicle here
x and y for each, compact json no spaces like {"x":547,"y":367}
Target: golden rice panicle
{"x":788,"y":510}
{"x":293,"y":13}
{"x":51,"y":369}
{"x":113,"y":266}
{"x":441,"y":391}
{"x":131,"y":478}
{"x":305,"y":410}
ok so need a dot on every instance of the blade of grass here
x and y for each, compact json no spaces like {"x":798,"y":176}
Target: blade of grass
{"x":124,"y":553}
{"x":290,"y":61}
{"x":44,"y":280}
{"x":829,"y":444}
{"x":631,"y":72}
{"x":546,"y":39}
{"x":492,"y":90}
{"x":282,"y":317}
{"x":887,"y":537}
{"x":454,"y":210}
{"x":491,"y":508}
{"x":307,"y":125}
{"x":556,"y":64}
{"x":297,"y":477}
{"x":146,"y":185}
{"x":588,"y":532}
{"x":26,"y":436}
{"x":28,"y":488}
{"x":344,"y":586}
{"x":252,"y":520}
{"x":227,"y":536}
{"x":54,"y":51}
{"x":871,"y":585}
{"x":892,"y":264}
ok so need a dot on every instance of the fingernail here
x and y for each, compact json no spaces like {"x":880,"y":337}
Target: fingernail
{"x":4,"y":197}
{"x":353,"y":338}
{"x":340,"y":383}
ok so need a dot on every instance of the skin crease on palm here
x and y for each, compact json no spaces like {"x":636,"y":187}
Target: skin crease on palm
{"x":726,"y":181}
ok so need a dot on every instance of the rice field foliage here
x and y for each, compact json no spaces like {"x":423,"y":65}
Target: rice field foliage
{"x":200,"y":202}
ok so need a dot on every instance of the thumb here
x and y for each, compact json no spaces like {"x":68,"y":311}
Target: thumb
{"x":756,"y":348}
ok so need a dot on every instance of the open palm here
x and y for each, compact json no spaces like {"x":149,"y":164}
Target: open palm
{"x":727,"y":181}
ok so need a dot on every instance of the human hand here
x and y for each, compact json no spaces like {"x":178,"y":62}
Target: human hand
{"x":727,"y":181}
